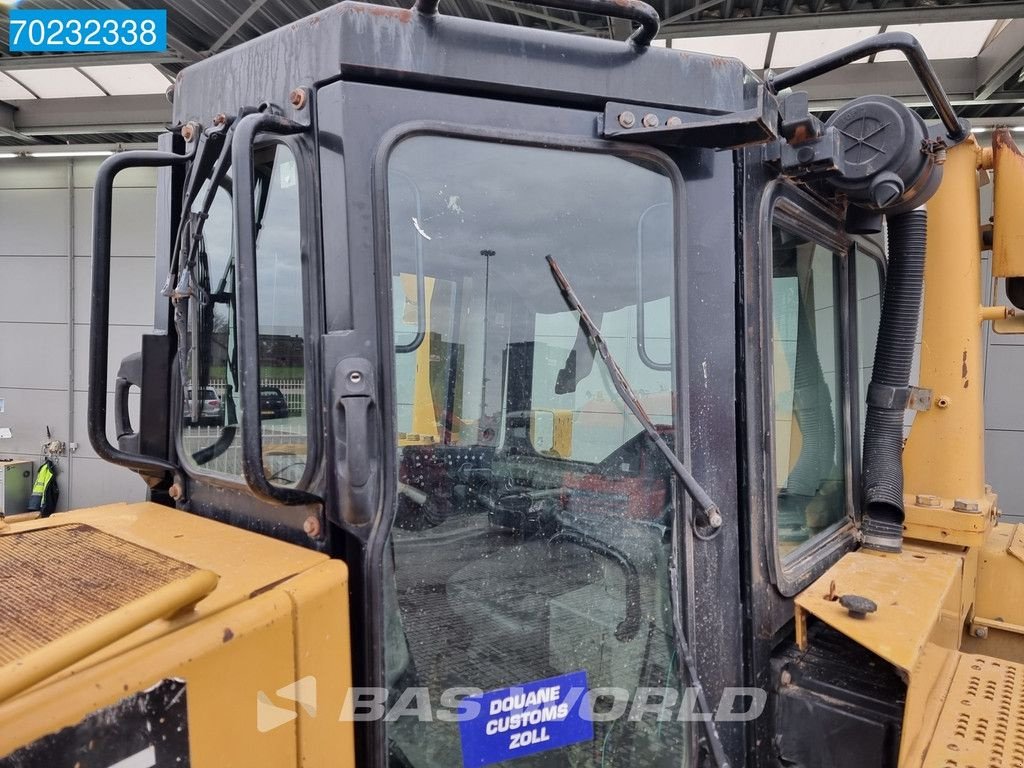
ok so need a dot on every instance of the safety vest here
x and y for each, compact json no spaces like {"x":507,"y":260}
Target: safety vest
{"x":44,"y":490}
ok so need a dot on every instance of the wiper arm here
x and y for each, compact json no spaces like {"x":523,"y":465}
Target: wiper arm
{"x":700,"y":497}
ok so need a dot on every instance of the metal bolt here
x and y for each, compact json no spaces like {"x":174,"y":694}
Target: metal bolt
{"x":965,"y":505}
{"x":715,"y":518}
{"x":355,"y":377}
{"x":942,"y":402}
{"x":927,"y":500}
{"x":627,"y":119}
{"x":298,"y":98}
{"x":673,"y":122}
{"x":981,"y":632}
{"x":311,"y":525}
{"x":175,"y":492}
{"x":188,"y":131}
{"x":651,"y":120}
{"x":786,"y":677}
{"x":220,"y":119}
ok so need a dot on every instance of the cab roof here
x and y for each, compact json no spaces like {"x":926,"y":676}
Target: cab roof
{"x":359,"y":41}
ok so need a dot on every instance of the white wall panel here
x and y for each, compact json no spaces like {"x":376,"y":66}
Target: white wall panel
{"x":134,"y":220}
{"x":32,"y":289}
{"x":34,"y":222}
{"x":132,"y":291}
{"x":34,"y":355}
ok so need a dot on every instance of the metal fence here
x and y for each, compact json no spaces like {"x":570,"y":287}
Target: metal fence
{"x":284,"y":439}
{"x":294,"y":391}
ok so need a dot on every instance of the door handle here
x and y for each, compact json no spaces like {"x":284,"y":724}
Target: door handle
{"x":356,"y":440}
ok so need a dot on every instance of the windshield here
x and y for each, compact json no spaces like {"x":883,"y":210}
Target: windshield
{"x":533,"y":529}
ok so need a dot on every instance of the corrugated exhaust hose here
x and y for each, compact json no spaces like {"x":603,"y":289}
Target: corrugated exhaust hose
{"x":882,"y":472}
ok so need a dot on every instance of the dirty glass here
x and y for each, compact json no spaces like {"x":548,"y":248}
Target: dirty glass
{"x":211,"y":429}
{"x":532,"y":533}
{"x":806,"y":366}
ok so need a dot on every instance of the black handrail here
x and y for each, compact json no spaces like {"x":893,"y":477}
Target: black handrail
{"x":99,"y":348}
{"x":248,"y":310}
{"x":633,"y":10}
{"x":904,"y":42}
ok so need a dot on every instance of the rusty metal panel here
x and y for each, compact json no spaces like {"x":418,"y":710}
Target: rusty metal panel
{"x":61,"y":579}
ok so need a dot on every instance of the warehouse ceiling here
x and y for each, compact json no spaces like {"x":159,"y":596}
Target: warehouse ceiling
{"x":977,"y":47}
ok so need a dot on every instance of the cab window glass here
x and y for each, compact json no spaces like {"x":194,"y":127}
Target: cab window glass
{"x":809,"y":456}
{"x":211,"y":430}
{"x":532,"y":533}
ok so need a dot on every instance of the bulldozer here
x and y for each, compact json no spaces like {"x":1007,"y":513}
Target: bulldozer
{"x":575,"y":403}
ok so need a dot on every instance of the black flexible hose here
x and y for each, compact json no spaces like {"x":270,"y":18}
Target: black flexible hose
{"x":882,"y":473}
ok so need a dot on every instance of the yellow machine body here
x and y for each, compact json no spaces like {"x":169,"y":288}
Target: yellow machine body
{"x":128,"y":601}
{"x":950,"y":607}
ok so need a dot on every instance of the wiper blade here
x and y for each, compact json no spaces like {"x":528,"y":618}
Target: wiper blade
{"x":700,"y":497}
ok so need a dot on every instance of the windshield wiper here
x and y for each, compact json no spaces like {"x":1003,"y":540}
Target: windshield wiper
{"x":700,"y":497}
{"x":693,"y":488}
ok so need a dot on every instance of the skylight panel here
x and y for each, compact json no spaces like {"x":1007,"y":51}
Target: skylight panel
{"x":128,"y":79}
{"x":945,"y":39}
{"x":12,"y":89}
{"x":57,"y":83}
{"x":794,"y":48}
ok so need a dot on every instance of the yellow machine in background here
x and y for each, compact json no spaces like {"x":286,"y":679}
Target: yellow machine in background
{"x":948,"y":612}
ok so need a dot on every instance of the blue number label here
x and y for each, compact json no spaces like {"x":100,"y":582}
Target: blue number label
{"x":46,"y":31}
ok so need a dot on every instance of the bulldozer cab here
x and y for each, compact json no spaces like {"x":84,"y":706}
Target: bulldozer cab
{"x":366,"y":350}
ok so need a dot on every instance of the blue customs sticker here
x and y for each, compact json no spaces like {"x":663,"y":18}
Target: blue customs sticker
{"x":529,"y":718}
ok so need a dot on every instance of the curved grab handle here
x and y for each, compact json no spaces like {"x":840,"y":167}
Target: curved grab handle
{"x":102,"y":204}
{"x":634,"y":10}
{"x":129,"y":374}
{"x":904,"y":42}
{"x":248,"y":311}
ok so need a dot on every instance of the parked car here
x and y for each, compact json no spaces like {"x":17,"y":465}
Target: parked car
{"x":211,"y":409}
{"x":273,"y":404}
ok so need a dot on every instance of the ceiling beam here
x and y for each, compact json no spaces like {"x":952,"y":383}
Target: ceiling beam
{"x":91,"y":114}
{"x":1001,"y":59}
{"x":620,"y":28}
{"x":891,"y":78}
{"x":538,"y":15}
{"x":8,"y":127}
{"x":869,"y":17}
{"x":48,"y":61}
{"x":236,"y":25}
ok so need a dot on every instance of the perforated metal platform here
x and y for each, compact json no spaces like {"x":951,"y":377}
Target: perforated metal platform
{"x":61,"y":578}
{"x":982,"y":720}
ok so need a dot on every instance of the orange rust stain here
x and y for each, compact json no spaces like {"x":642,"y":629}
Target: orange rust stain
{"x":800,"y":134}
{"x":404,"y":15}
{"x":1001,"y":139}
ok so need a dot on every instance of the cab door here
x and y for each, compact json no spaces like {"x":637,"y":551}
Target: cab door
{"x":523,"y":531}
